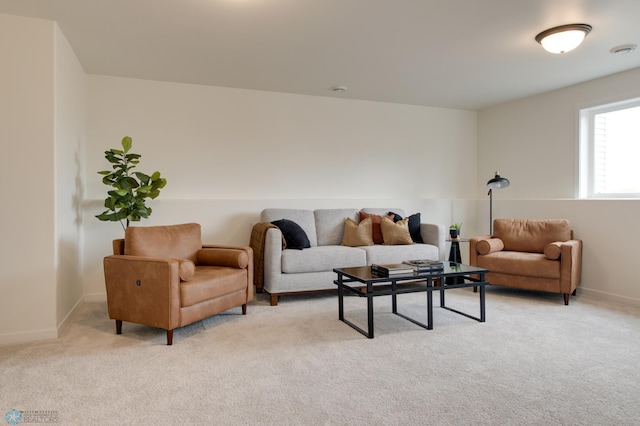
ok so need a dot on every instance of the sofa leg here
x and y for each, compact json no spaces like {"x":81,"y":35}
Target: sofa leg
{"x":566,"y":298}
{"x":118,"y":326}
{"x":244,"y":309}
{"x":169,"y":337}
{"x":274,"y":300}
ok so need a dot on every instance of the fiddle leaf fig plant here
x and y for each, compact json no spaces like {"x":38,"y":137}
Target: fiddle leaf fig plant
{"x":126,"y":201}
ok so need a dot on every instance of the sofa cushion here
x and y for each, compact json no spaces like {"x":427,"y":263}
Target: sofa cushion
{"x":530,"y":235}
{"x":395,"y":233}
{"x":395,"y":254}
{"x":294,"y":235}
{"x":357,"y":234}
{"x":552,"y":251}
{"x":304,"y":218}
{"x":211,"y":282}
{"x":414,"y":225}
{"x":322,"y":258}
{"x":520,"y":263}
{"x":376,"y":229}
{"x":173,"y":241}
{"x":329,"y":225}
{"x":186,"y":270}
{"x":489,"y":245}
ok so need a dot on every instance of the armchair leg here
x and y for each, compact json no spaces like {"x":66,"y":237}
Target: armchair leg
{"x":566,"y":298}
{"x":244,"y":309}
{"x":274,"y":300}
{"x":574,"y":292}
{"x":118,"y":326}
{"x":169,"y":337}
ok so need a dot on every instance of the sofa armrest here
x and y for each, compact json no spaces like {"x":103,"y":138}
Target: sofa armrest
{"x":272,"y":258}
{"x":143,"y":290}
{"x":434,"y":234}
{"x":570,"y":265}
{"x":473,"y":248}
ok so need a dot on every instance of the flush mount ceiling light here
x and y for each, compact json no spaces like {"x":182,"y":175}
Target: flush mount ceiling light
{"x":563,"y":38}
{"x":338,"y":89}
{"x":623,"y":49}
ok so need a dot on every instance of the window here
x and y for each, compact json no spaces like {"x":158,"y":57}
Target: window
{"x":610,"y":151}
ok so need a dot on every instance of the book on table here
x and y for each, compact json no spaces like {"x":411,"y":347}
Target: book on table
{"x":386,"y":269}
{"x":425,"y":265}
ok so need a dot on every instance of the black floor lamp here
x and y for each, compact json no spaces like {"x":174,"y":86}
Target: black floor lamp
{"x":498,"y":182}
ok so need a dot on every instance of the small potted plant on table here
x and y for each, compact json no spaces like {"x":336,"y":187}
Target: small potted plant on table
{"x":454,"y":230}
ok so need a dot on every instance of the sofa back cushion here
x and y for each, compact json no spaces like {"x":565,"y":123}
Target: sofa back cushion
{"x":173,"y":241}
{"x":304,"y":218}
{"x":530,"y":235}
{"x":330,"y":224}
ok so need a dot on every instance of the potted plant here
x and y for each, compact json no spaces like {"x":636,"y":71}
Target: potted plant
{"x":454,"y":230}
{"x":126,"y":201}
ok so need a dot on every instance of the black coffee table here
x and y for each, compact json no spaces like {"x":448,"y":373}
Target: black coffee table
{"x":354,"y":280}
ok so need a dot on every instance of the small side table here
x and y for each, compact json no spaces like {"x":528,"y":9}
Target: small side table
{"x":454,"y":252}
{"x":455,"y":256}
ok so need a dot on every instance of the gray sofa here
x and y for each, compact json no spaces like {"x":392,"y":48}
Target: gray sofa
{"x":291,"y":271}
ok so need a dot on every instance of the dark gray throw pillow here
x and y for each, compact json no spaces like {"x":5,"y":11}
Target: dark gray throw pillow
{"x":294,"y":235}
{"x":414,"y":226}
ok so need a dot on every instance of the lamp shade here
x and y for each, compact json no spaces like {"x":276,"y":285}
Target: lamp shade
{"x":563,"y":38}
{"x":498,"y":182}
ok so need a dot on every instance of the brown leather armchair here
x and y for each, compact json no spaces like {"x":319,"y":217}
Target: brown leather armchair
{"x":530,"y":254}
{"x":162,"y":276}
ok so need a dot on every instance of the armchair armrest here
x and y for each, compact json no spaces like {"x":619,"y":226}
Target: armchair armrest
{"x":143,"y":290}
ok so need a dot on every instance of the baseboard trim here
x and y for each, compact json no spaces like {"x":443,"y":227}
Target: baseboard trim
{"x":64,"y":324}
{"x":600,"y":295}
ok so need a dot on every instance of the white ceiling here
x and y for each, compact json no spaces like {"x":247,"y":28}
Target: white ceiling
{"x":465,"y":54}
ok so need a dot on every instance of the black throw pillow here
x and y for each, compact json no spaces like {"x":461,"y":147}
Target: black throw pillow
{"x":294,"y":235}
{"x":414,"y":226}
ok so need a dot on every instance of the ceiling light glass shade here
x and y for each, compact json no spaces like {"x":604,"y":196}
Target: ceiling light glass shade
{"x":498,"y":182}
{"x":564,"y":38}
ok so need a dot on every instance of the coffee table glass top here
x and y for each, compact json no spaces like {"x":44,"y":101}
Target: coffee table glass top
{"x":364,"y":274}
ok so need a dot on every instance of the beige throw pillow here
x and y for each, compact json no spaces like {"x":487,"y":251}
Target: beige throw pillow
{"x":395,"y":233}
{"x":356,"y":235}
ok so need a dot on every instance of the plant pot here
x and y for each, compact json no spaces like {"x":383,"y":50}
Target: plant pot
{"x":453,"y":233}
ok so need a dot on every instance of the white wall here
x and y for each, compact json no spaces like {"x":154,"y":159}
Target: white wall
{"x":27,"y":281}
{"x":229,"y":153}
{"x":533,"y":142}
{"x":70,"y":106}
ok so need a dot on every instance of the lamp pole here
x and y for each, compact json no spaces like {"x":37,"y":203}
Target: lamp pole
{"x":497,"y":182}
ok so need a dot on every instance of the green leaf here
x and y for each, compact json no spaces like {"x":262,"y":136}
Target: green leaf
{"x":144,"y":179}
{"x":127,"y":142}
{"x":104,"y":172}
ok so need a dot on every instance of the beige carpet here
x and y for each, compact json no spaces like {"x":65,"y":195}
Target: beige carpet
{"x":535,"y":361}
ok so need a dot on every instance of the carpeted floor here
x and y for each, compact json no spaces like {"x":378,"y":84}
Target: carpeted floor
{"x":535,"y":361}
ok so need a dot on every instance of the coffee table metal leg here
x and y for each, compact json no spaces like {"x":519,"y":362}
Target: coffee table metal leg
{"x":430,"y":304}
{"x":370,"y":309}
{"x":340,"y":298}
{"x":482,"y":300}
